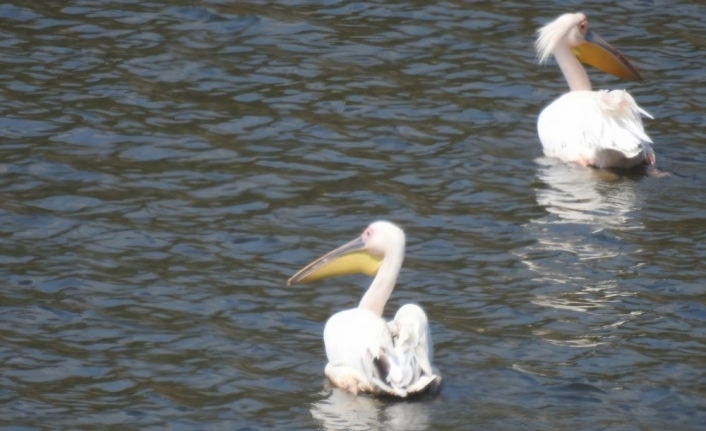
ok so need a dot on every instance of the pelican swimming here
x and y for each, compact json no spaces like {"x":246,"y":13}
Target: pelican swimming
{"x":602,"y":128}
{"x":364,"y":352}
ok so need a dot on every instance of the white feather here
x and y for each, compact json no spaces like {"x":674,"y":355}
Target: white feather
{"x":553,"y":34}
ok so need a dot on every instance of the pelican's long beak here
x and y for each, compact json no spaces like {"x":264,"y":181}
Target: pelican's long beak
{"x":598,"y":53}
{"x":348,"y":259}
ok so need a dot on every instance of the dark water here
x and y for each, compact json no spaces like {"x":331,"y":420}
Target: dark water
{"x":165,"y":166}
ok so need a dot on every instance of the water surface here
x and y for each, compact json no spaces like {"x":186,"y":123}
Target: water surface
{"x":166,"y":166}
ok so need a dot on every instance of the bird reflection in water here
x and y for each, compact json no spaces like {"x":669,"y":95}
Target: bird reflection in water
{"x":589,"y":196}
{"x":342,"y":410}
{"x":577,"y":241}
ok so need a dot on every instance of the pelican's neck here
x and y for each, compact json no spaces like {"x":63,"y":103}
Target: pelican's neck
{"x":572,"y":69}
{"x":380,"y":290}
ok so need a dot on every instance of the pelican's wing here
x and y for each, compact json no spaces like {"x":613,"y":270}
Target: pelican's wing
{"x":600,"y":128}
{"x":623,"y":129}
{"x":413,"y":350}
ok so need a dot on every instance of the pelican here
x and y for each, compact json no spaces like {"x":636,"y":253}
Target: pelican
{"x":365,"y":353}
{"x":602,"y":129}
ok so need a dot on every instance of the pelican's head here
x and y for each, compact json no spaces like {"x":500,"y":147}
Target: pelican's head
{"x":362,"y":255}
{"x":571,"y":30}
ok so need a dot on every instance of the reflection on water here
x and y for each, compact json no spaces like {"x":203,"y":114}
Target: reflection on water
{"x":342,"y":410}
{"x":578,"y":194}
{"x":587,"y":210}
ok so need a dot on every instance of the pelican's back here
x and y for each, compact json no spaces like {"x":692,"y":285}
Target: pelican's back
{"x":598,"y":128}
{"x":355,"y":338}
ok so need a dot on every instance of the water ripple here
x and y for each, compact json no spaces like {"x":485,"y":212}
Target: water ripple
{"x":165,"y":167}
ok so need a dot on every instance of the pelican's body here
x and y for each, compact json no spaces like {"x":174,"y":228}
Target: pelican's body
{"x":603,"y":128}
{"x":366,"y":353}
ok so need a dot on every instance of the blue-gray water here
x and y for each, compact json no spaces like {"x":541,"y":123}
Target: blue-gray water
{"x":165,"y":166}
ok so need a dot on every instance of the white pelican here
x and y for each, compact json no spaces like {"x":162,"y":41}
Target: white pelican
{"x":364,"y":352}
{"x":602,"y":128}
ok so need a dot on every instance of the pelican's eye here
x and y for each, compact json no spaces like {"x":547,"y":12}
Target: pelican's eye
{"x":583,"y":26}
